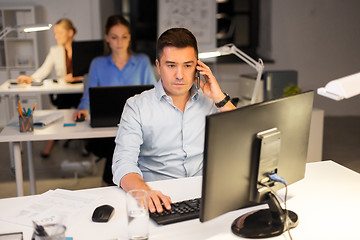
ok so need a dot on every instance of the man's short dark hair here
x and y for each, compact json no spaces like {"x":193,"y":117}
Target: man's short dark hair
{"x":176,"y":37}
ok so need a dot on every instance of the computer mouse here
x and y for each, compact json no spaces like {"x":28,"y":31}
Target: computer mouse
{"x":80,"y":119}
{"x":102,"y":213}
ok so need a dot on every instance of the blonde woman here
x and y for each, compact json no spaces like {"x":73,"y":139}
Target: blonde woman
{"x":59,"y":58}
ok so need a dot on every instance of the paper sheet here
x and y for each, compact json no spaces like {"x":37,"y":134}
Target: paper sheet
{"x":54,"y":206}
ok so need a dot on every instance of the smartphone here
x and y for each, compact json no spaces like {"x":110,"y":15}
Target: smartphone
{"x":197,"y":75}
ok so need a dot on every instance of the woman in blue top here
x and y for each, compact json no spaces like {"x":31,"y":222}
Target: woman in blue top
{"x":120,"y":67}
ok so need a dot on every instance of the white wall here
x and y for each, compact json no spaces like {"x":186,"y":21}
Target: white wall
{"x":320,"y":39}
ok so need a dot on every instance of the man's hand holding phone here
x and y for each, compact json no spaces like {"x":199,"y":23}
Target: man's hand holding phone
{"x":211,"y":87}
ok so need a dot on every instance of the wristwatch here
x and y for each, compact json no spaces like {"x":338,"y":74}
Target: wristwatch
{"x":223,"y":102}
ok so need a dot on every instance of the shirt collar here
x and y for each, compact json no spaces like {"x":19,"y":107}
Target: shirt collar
{"x":160,"y":92}
{"x":131,"y":61}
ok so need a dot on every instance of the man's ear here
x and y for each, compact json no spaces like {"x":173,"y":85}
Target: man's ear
{"x":158,"y":66}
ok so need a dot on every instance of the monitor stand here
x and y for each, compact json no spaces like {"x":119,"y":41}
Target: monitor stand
{"x":266,"y":222}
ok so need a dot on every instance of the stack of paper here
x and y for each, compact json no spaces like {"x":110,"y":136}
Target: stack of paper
{"x":53,"y":206}
{"x":42,"y":118}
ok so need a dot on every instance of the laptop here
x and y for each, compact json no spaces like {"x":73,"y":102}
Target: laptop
{"x":107,"y":103}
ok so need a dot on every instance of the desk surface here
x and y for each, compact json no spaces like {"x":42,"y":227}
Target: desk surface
{"x":55,"y":130}
{"x":327,"y":202}
{"x":49,"y":87}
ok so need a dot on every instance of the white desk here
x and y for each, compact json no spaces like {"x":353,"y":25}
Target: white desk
{"x":326,"y":201}
{"x":48,"y":87}
{"x":55,"y":131}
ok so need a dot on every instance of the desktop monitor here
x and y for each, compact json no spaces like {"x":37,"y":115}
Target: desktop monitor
{"x":242,"y":149}
{"x":83,"y":53}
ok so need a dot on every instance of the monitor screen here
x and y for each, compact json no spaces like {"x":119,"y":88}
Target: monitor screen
{"x":83,"y":53}
{"x":243,"y":145}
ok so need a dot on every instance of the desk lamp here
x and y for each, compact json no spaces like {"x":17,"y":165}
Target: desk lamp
{"x":341,"y":88}
{"x":25,"y":28}
{"x":232,"y":49}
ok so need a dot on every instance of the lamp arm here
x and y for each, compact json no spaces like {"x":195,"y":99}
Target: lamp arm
{"x":5,"y":31}
{"x":256,"y":87}
{"x":231,"y":48}
{"x":259,"y":66}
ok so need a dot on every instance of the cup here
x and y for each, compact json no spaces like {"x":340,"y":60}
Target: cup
{"x":26,"y":124}
{"x":138,"y":214}
{"x":53,"y":232}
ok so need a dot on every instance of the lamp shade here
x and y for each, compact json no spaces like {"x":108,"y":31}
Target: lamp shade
{"x":25,"y":28}
{"x":342,"y":88}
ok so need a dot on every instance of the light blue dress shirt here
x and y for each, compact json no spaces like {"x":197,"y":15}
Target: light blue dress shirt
{"x":157,"y":140}
{"x":103,"y":72}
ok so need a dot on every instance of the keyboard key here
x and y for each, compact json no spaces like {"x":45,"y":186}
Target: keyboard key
{"x":180,"y":211}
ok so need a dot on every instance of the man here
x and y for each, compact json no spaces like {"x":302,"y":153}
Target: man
{"x":161,"y":131}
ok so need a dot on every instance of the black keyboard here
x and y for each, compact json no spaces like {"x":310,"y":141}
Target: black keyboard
{"x":180,"y":211}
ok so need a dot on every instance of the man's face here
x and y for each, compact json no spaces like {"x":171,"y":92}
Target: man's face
{"x":177,"y":70}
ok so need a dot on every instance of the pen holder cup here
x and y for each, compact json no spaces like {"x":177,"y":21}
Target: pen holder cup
{"x":26,"y":124}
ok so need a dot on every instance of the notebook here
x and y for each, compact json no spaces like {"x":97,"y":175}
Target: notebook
{"x":107,"y":103}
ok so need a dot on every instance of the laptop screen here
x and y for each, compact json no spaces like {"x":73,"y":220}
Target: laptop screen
{"x":107,"y":103}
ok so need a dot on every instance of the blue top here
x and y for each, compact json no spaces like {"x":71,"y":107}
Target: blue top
{"x":157,"y":140}
{"x":103,"y":72}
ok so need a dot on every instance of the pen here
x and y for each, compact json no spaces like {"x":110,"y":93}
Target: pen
{"x":19,"y":112}
{"x":34,"y":107}
{"x":28,"y":113}
{"x":20,"y":105}
{"x":40,"y":230}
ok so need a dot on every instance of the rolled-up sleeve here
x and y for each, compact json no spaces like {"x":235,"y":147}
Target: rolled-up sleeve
{"x":128,"y":141}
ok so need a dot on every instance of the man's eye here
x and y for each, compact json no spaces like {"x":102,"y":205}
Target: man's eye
{"x":171,"y":66}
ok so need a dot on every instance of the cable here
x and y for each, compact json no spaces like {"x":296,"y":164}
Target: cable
{"x":276,"y":178}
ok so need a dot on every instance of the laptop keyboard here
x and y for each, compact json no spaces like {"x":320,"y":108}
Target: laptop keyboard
{"x":180,"y":211}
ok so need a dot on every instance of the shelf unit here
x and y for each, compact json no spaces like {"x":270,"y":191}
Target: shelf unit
{"x":18,"y":50}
